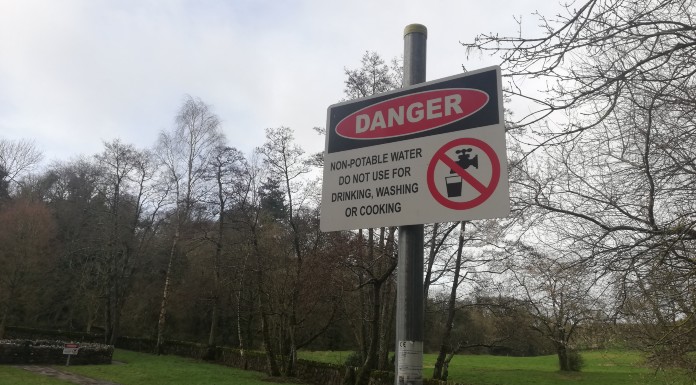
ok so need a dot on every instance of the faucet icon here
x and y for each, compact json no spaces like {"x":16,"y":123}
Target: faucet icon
{"x":465,"y":159}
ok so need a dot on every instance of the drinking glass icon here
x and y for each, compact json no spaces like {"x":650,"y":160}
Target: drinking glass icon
{"x":454,"y":186}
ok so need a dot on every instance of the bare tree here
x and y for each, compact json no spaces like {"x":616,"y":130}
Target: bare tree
{"x":257,"y":226}
{"x":437,"y":242}
{"x":373,"y":77}
{"x":562,"y":296}
{"x":17,"y":158}
{"x":124,"y":184}
{"x":227,"y":170}
{"x":377,"y":269}
{"x":285,"y":161}
{"x":185,"y":154}
{"x":610,"y":140}
{"x":440,"y":363}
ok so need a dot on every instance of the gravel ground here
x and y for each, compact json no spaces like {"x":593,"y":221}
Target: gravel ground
{"x":74,"y":378}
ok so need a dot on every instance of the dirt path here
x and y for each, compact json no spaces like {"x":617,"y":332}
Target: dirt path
{"x":74,"y":378}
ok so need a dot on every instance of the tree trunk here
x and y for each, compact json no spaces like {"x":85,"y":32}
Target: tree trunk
{"x":563,"y":362}
{"x":240,"y":296}
{"x":292,"y":329}
{"x":451,"y":311}
{"x":107,"y":319}
{"x":214,"y":316}
{"x":210,"y":355}
{"x":272,"y":365}
{"x":165,"y":296}
{"x":386,"y":342}
{"x":213,"y":323}
{"x":212,"y":336}
{"x":363,"y":375}
{"x":445,"y":366}
{"x":3,"y":322}
{"x":377,"y":283}
{"x":432,"y":253}
{"x":361,"y":295}
{"x":240,"y":333}
{"x":115,"y":316}
{"x":387,"y":327}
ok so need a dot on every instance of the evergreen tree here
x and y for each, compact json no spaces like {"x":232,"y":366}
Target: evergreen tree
{"x":273,"y":199}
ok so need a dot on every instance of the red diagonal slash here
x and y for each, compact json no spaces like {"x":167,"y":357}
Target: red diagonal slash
{"x":484,"y":191}
{"x":463,"y":173}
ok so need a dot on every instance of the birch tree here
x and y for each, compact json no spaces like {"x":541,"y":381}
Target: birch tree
{"x":184,"y":155}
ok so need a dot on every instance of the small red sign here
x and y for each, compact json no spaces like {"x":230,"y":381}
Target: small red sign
{"x":71,"y":349}
{"x":412,"y":113}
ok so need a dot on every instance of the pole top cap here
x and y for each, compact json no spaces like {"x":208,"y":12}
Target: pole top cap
{"x":416,"y":28}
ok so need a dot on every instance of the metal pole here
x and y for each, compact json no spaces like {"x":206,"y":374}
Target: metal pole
{"x":409,"y":293}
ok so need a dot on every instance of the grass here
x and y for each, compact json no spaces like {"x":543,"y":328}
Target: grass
{"x":10,"y":375}
{"x":148,"y":369}
{"x":601,"y":368}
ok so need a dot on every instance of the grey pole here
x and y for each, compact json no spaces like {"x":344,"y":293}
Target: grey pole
{"x":415,"y":36}
{"x":409,"y":293}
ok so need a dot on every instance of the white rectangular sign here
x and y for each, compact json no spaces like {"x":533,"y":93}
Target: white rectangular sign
{"x":429,"y":153}
{"x":71,"y":349}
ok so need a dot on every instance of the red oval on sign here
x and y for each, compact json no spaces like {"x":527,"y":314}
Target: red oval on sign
{"x":412,"y":113}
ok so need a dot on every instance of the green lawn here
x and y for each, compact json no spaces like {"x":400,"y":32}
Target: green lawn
{"x":601,"y":368}
{"x":148,"y":369}
{"x":10,"y":375}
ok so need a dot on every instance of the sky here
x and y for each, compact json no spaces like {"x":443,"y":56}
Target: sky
{"x":76,"y":73}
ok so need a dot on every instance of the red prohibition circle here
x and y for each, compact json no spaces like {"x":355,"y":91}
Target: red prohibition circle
{"x":485,"y":190}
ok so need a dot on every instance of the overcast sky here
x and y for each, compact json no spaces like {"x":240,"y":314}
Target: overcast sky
{"x":74,"y":73}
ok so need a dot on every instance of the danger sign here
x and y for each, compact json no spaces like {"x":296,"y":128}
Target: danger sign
{"x":71,"y":349}
{"x":433,"y":152}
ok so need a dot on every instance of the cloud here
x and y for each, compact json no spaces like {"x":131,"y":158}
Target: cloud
{"x":74,"y":73}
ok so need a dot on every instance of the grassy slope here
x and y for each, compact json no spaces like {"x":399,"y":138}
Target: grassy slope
{"x":602,"y":368}
{"x":147,"y":369}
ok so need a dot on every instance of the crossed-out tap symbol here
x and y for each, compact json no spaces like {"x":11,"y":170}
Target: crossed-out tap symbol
{"x":465,"y":159}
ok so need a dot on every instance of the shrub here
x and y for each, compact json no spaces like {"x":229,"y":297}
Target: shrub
{"x":575,"y":361}
{"x":354,"y":359}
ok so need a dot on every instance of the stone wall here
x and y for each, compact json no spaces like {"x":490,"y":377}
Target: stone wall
{"x":42,"y":352}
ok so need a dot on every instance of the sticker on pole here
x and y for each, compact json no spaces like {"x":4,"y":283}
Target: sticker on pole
{"x":409,"y":370}
{"x":463,"y":173}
